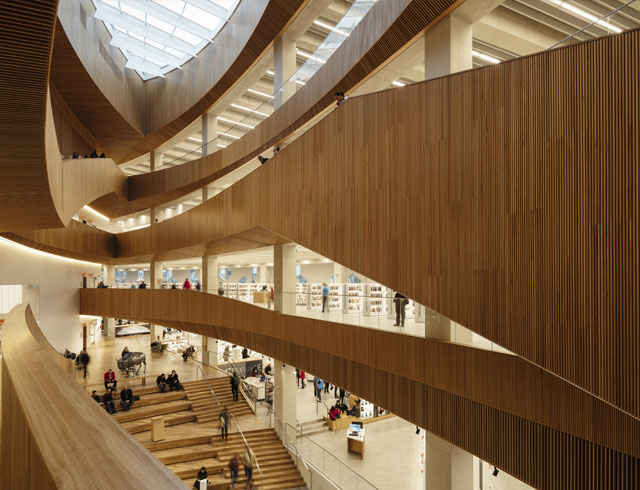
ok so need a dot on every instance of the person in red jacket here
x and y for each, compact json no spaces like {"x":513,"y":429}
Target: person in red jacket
{"x":303,"y":376}
{"x":110,"y":378}
{"x":187,"y":284}
{"x":334,"y":413}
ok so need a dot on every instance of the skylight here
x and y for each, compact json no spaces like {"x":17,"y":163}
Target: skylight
{"x":157,"y":36}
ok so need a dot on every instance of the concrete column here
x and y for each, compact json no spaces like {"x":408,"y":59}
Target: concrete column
{"x":284,"y":277}
{"x":155,"y":275}
{"x":447,"y":467}
{"x":284,"y":65}
{"x":209,"y":132}
{"x":109,"y":275}
{"x":210,"y":351}
{"x":155,"y":158}
{"x":284,"y":395}
{"x":340,"y":274}
{"x":205,"y":193}
{"x":447,"y":48}
{"x":210,"y":279}
{"x":262,"y":274}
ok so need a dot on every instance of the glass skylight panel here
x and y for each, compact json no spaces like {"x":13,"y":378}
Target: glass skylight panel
{"x":158,"y":36}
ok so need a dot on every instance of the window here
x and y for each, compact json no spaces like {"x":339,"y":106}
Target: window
{"x":157,"y":36}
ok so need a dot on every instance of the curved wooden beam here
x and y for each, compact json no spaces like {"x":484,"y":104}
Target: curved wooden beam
{"x":501,"y":400}
{"x":159,"y":108}
{"x":50,"y":424}
{"x":389,"y":27}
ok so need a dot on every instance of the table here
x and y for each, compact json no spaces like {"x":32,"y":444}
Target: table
{"x":355,"y":441}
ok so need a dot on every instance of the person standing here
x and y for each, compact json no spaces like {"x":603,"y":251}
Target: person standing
{"x":327,"y":387}
{"x":235,"y":383}
{"x":297,"y":377}
{"x":84,"y":361}
{"x":325,"y":297}
{"x":186,"y":284}
{"x":303,"y":376}
{"x":234,"y":467}
{"x":224,"y":424}
{"x":400,"y":302}
{"x":319,"y":388}
{"x":342,"y":392}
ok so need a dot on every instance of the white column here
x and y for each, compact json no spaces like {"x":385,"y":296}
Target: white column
{"x":109,"y":275}
{"x":447,"y":47}
{"x":447,"y":467}
{"x":284,"y":395}
{"x":155,"y":160}
{"x":284,"y":277}
{"x":210,"y":279}
{"x":210,"y":355}
{"x":155,"y":275}
{"x":209,"y":132}
{"x":284,"y":65}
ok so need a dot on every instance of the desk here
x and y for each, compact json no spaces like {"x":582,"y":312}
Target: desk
{"x":262,"y":297}
{"x":256,"y":387}
{"x":355,"y":441}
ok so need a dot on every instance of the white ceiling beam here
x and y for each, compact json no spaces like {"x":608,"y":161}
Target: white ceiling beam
{"x":130,"y":23}
{"x":144,"y":66}
{"x":210,"y":7}
{"x":144,"y":50}
{"x":167,"y":15}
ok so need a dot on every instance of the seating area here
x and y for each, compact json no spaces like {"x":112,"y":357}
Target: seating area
{"x":185,"y":451}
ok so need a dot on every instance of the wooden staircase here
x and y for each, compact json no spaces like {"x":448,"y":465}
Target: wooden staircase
{"x":186,"y":456}
{"x":204,"y":404}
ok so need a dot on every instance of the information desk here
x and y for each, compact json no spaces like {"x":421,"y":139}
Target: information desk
{"x":256,"y":387}
{"x":355,"y":439}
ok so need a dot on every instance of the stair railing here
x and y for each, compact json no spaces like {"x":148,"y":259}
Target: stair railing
{"x":204,"y":377}
{"x":291,"y":436}
{"x":248,"y":396}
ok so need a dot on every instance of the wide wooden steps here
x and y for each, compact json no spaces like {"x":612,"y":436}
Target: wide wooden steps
{"x":176,"y":419}
{"x":205,"y":405}
{"x":153,"y":410}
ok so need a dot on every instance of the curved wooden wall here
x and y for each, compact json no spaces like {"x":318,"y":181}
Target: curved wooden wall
{"x":505,"y":198}
{"x":498,"y":406}
{"x":389,"y":26}
{"x":147,"y":114}
{"x":50,"y":425}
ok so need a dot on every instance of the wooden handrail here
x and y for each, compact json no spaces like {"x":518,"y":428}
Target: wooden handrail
{"x":53,"y":434}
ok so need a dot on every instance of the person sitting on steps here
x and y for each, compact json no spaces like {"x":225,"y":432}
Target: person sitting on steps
{"x":161,"y":382}
{"x":126,"y":398}
{"x":110,"y":378}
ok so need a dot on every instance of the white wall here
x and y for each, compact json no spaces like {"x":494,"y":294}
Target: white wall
{"x":317,"y":272}
{"x":59,"y":280}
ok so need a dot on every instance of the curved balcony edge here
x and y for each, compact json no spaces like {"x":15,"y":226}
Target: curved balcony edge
{"x":50,"y":424}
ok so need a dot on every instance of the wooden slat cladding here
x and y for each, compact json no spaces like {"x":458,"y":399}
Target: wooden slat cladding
{"x":505,"y":198}
{"x":497,"y":406}
{"x":389,"y":26}
{"x":26,"y":33}
{"x":50,"y":425}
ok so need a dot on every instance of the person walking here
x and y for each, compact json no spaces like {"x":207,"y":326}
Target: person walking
{"x":319,"y":388}
{"x":248,"y":460}
{"x":400,"y":302}
{"x":84,"y":361}
{"x":327,"y":387}
{"x":325,"y":297}
{"x":224,"y":424}
{"x":297,"y":377}
{"x":303,"y":376}
{"x":342,"y":393}
{"x":234,"y":467}
{"x":235,"y":383}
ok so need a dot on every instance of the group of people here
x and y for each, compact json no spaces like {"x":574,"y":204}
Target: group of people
{"x":320,"y":386}
{"x":127,"y":398}
{"x":300,"y":377}
{"x":172,"y":381}
{"x":94,"y":154}
{"x":82,"y":361}
{"x":248,"y":459}
{"x":263,"y":160}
